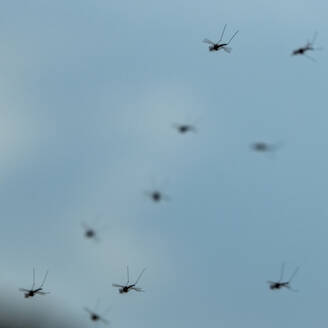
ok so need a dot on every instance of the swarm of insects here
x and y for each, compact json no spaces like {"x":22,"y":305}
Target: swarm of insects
{"x":38,"y":291}
{"x":96,"y":317}
{"x":123,"y":289}
{"x":216,"y":46}
{"x":308,"y":47}
{"x":276,"y":285}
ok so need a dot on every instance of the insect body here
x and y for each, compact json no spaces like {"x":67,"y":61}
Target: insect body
{"x":156,"y":196}
{"x":91,"y":232}
{"x":308,"y":47}
{"x":123,"y":289}
{"x":38,"y":291}
{"x":184,"y":128}
{"x":276,"y":285}
{"x":218,"y":45}
{"x":97,"y":317}
{"x":263,"y":147}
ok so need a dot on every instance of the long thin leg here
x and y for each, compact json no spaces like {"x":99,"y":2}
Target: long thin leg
{"x":97,"y":304}
{"x":294,"y":274}
{"x":140,"y":276}
{"x":128,"y":275}
{"x":44,"y":279}
{"x":33,"y":279}
{"x":282,"y":271}
{"x":222,"y":33}
{"x":233,"y":36}
{"x":107,"y":310}
{"x":314,"y":37}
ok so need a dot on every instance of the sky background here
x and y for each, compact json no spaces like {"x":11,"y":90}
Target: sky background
{"x":89,"y":91}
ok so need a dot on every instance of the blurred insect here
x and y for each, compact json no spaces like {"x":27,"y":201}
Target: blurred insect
{"x":94,"y":316}
{"x":263,"y":147}
{"x":91,"y":232}
{"x":308,"y":47}
{"x":218,"y":45}
{"x":156,"y":196}
{"x":38,"y":291}
{"x":275,"y":285}
{"x":184,"y":128}
{"x":127,"y":287}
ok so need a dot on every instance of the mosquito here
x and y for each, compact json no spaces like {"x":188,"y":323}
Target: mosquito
{"x":308,"y":47}
{"x":127,"y":287}
{"x":275,"y":285}
{"x":218,"y":45}
{"x":94,"y":316}
{"x":184,"y":128}
{"x":38,"y":291}
{"x":90,"y":232}
{"x":156,"y":196}
{"x":263,"y":147}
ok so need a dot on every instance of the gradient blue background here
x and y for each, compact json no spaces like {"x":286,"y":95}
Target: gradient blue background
{"x":89,"y":91}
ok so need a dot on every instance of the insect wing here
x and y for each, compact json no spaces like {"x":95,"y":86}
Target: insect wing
{"x":106,"y":322}
{"x":208,"y":42}
{"x":117,"y":285}
{"x":227,"y":49}
{"x":88,"y":310}
{"x":137,"y":289}
{"x":24,"y":290}
{"x":42,"y":293}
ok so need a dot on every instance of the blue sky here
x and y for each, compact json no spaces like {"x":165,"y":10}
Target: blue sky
{"x":89,"y":91}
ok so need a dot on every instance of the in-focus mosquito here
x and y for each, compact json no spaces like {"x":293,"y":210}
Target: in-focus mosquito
{"x":96,"y":317}
{"x":184,"y":128}
{"x":38,"y":291}
{"x":127,"y":287}
{"x":275,"y":285}
{"x":218,"y":45}
{"x":308,"y":47}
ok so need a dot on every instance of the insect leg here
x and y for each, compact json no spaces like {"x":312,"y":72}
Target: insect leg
{"x":233,"y":36}
{"x":222,"y":33}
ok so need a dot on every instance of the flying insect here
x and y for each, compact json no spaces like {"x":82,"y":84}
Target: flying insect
{"x":216,"y":46}
{"x":124,"y":289}
{"x":38,"y":291}
{"x":276,"y":285}
{"x":308,"y":47}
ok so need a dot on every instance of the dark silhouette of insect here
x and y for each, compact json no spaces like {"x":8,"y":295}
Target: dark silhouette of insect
{"x":156,"y":196}
{"x":263,"y":147}
{"x":38,"y":291}
{"x":184,"y":128}
{"x":94,"y":316}
{"x":91,"y":232}
{"x":127,"y":287}
{"x":308,"y":47}
{"x":218,"y":45}
{"x":276,"y":285}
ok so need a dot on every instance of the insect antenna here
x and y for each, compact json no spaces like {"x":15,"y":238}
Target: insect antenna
{"x":44,"y":279}
{"x":222,"y":33}
{"x":233,"y":36}
{"x":282,"y":271}
{"x":140,"y":276}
